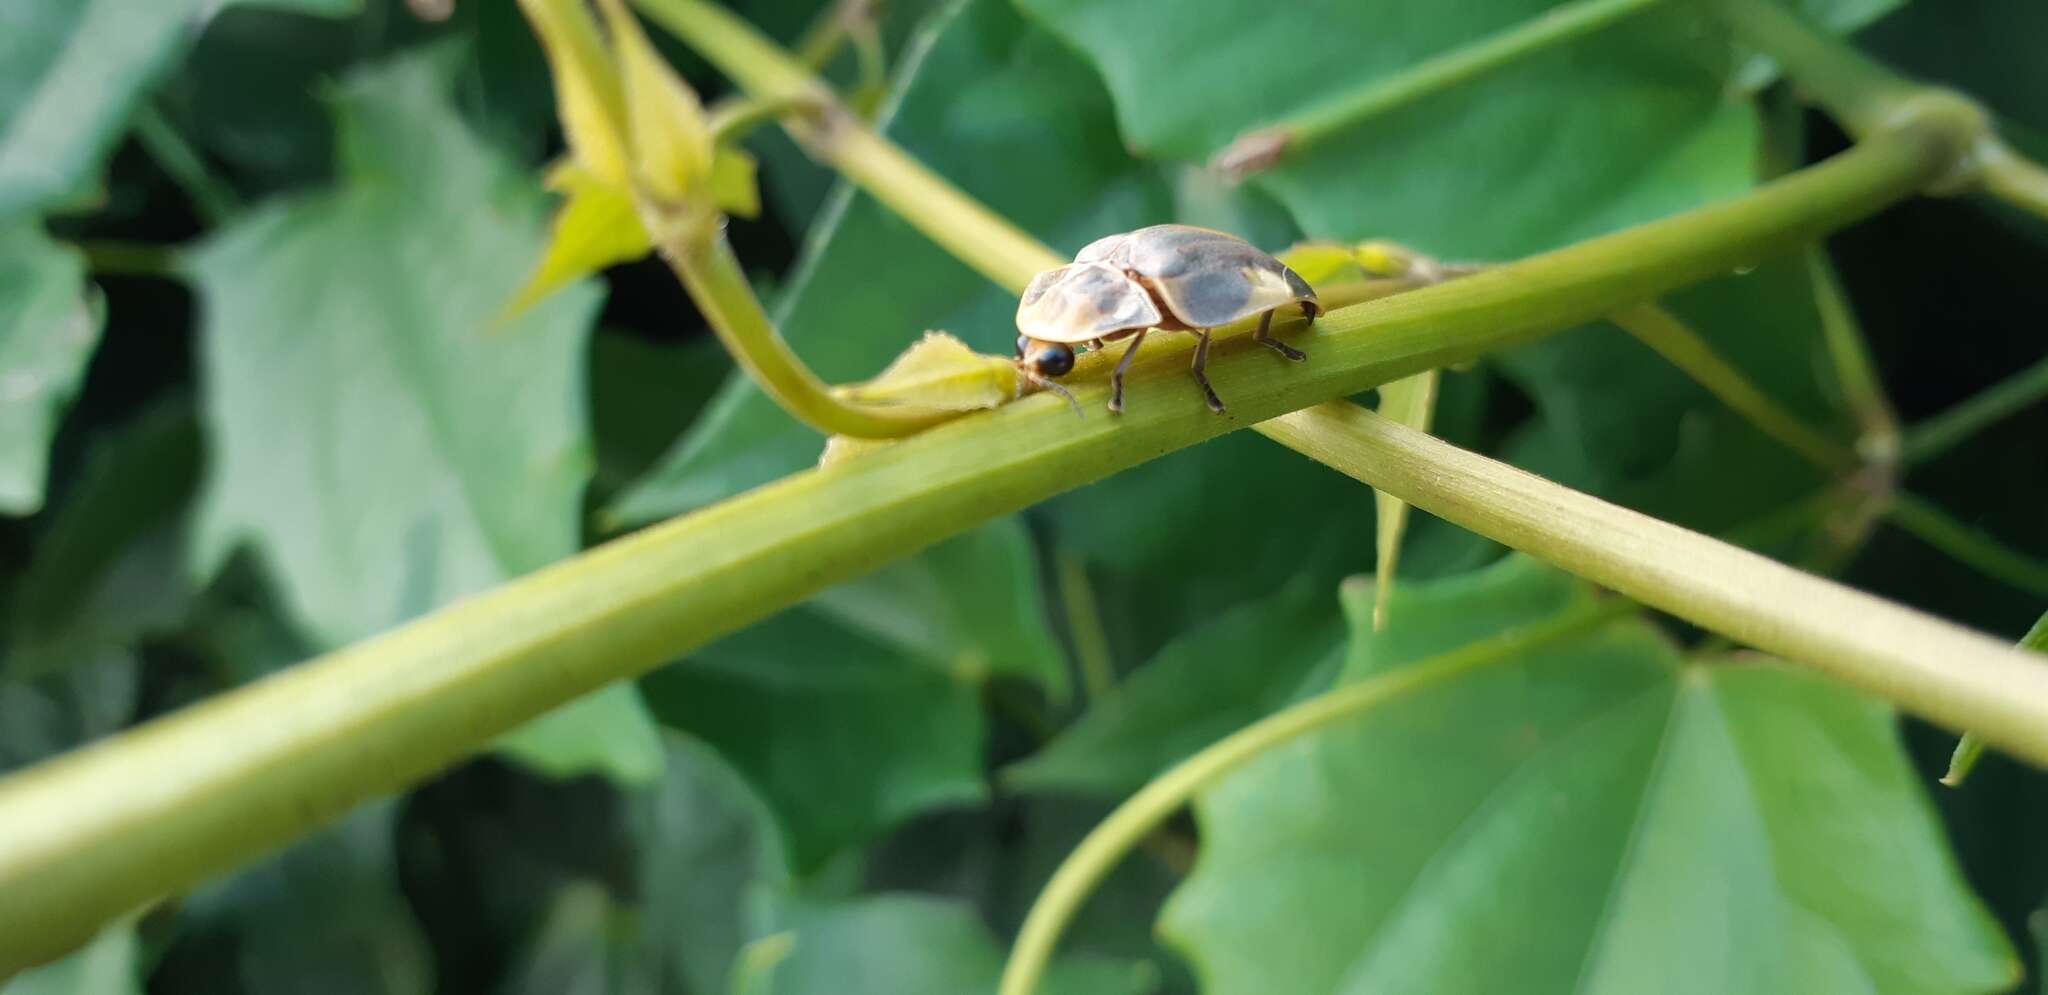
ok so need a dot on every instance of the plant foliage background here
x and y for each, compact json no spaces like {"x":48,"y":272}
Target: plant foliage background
{"x":259,"y":402}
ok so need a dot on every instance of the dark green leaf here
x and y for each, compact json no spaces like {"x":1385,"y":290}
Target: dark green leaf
{"x":706,"y":841}
{"x":970,"y":606}
{"x":50,"y":321}
{"x":1595,"y":815}
{"x":384,"y":441}
{"x":904,"y":945}
{"x":324,"y":916}
{"x":71,"y":74}
{"x":1626,"y":124}
{"x":1013,"y":119}
{"x":1212,"y":681}
{"x":642,"y":396}
{"x":845,"y":737}
{"x":111,"y":567}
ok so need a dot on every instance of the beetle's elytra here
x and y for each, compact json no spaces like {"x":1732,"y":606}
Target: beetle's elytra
{"x":1168,"y":277}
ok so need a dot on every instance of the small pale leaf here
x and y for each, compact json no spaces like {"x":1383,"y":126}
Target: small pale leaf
{"x":670,"y":139}
{"x":1410,"y":401}
{"x":595,"y":228}
{"x":733,"y":187}
{"x":940,"y":371}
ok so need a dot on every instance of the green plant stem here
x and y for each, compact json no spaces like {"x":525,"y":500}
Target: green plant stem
{"x":1970,"y":748}
{"x":214,"y":200}
{"x":2015,"y":179}
{"x":1974,"y":549}
{"x":1943,"y":432}
{"x":1107,"y":844}
{"x":1264,"y":147}
{"x":958,"y":223}
{"x":1682,"y":347}
{"x":114,"y":258}
{"x":1901,"y":655}
{"x":719,"y":287}
{"x":736,"y":118}
{"x":1084,"y":623}
{"x":1855,"y":371}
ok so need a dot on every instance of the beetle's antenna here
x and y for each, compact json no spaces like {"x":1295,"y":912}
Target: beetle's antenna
{"x":1025,"y":374}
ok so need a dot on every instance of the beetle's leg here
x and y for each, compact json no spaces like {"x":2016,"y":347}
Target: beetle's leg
{"x":1116,"y":379}
{"x":1201,"y":363}
{"x":1096,"y":345}
{"x":1264,"y":337}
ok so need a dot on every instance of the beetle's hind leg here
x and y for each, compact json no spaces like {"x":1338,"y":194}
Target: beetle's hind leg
{"x":1116,"y":378}
{"x":1200,"y":364}
{"x":1264,"y":337}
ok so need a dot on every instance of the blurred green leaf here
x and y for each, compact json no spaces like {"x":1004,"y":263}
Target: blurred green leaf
{"x":905,"y":945}
{"x":706,"y":841}
{"x":106,"y":966}
{"x":1624,"y":125}
{"x":50,"y":320}
{"x":607,"y":731}
{"x":577,"y":950}
{"x":379,"y":436}
{"x":1598,"y":815}
{"x":971,"y":605}
{"x":110,"y":569}
{"x":1210,"y":682}
{"x":325,"y":916}
{"x":642,"y":395}
{"x":1988,"y":48}
{"x":1007,"y":115}
{"x":71,"y":73}
{"x":90,"y":698}
{"x":843,"y":735}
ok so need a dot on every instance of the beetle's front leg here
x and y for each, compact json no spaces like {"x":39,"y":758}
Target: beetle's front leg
{"x":1264,"y":337}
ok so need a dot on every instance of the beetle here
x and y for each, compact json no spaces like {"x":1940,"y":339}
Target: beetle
{"x":1166,"y":277}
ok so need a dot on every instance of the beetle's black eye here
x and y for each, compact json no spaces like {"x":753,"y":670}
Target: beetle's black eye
{"x":1053,"y":360}
{"x":1023,"y":343}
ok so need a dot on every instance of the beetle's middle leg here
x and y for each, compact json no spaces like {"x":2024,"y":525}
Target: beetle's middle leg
{"x":1264,"y":337}
{"x":1116,"y":378}
{"x":1199,"y":365}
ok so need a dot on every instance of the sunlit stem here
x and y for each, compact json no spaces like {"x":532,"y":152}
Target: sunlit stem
{"x":1264,"y":147}
{"x":1088,"y":863}
{"x":709,"y":270}
{"x":1970,"y":747}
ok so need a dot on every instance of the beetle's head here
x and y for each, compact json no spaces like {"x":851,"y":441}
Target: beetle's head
{"x":1046,"y":359}
{"x":1077,"y":303}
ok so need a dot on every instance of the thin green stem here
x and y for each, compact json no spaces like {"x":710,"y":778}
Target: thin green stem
{"x":1968,"y":546}
{"x":1943,"y":432}
{"x":1855,"y":371}
{"x":1970,"y":748}
{"x":1264,"y":147}
{"x":736,"y":118}
{"x":114,"y":258}
{"x":1679,"y":344}
{"x":1098,"y":853}
{"x":2015,"y":179}
{"x":1864,"y":641}
{"x":1084,"y":623}
{"x":719,"y":287}
{"x":214,"y":200}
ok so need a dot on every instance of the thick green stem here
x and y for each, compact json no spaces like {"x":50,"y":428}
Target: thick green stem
{"x":1972,"y":548}
{"x":1265,"y":147}
{"x":2015,"y":179}
{"x":1943,"y":432}
{"x":1682,"y":347}
{"x":1970,"y":748}
{"x":1914,"y":660}
{"x":153,"y":810}
{"x":718,"y":286}
{"x":1138,"y":816}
